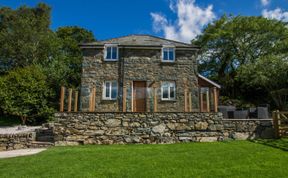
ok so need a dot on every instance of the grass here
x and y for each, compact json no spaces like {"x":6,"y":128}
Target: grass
{"x":276,"y":143}
{"x":225,"y":159}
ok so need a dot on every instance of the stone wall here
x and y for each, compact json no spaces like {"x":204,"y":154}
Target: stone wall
{"x":138,"y":65}
{"x":151,"y":128}
{"x":16,"y":141}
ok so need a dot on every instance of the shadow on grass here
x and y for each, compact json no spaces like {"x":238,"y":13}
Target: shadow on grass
{"x":275,"y":143}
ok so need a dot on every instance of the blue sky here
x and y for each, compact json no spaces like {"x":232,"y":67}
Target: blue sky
{"x":175,"y":19}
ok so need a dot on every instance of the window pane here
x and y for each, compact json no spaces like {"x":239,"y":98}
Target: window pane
{"x":107,"y":90}
{"x":114,"y":89}
{"x":108,"y":53}
{"x":114,"y":53}
{"x":171,"y":54}
{"x":172,"y":92}
{"x":165,"y":92}
{"x":165,"y":55}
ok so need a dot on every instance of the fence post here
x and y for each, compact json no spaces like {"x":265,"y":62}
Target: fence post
{"x":92,"y":99}
{"x":208,"y":100}
{"x":215,"y":99}
{"x":190,"y":101}
{"x":185,"y":99}
{"x":62,"y":95}
{"x":124,"y":98}
{"x":76,"y":101}
{"x":69,"y":99}
{"x":155,"y":98}
{"x":201,"y":100}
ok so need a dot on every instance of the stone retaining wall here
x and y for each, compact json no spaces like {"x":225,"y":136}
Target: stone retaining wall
{"x":151,"y":128}
{"x":16,"y":141}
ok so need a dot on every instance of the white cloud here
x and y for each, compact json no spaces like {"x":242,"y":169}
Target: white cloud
{"x":265,"y":2}
{"x":190,"y":20}
{"x":277,"y":14}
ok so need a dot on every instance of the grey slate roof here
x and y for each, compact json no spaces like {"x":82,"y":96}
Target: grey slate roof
{"x":139,"y":40}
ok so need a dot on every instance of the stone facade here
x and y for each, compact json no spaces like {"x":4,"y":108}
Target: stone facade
{"x":151,"y":128}
{"x":137,"y":64}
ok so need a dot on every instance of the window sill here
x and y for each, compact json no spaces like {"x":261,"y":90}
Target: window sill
{"x":107,"y":99}
{"x":169,"y":62}
{"x":110,"y":60}
{"x":172,"y":100}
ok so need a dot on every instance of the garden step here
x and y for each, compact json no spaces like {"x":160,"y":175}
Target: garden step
{"x":37,"y":144}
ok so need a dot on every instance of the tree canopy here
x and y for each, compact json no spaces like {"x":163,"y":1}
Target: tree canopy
{"x":24,"y":92}
{"x":27,"y":41}
{"x":232,"y":43}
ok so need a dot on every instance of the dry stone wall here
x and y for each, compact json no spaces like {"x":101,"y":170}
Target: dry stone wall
{"x":16,"y":141}
{"x":152,"y":128}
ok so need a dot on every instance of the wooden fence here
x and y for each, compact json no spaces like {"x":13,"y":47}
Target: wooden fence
{"x":69,"y":100}
{"x":280,"y":121}
{"x":72,"y":99}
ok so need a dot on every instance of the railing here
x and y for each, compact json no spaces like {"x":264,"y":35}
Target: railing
{"x":280,"y":122}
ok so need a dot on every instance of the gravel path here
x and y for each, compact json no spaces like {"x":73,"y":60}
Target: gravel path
{"x":22,"y":152}
{"x":17,"y":129}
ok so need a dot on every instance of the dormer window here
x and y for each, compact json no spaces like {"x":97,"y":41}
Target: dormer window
{"x":111,"y":52}
{"x":168,"y":54}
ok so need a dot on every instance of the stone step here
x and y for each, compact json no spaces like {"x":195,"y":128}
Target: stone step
{"x":45,"y":138}
{"x":37,"y":144}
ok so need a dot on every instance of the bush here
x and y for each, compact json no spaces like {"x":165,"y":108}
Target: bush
{"x":25,"y":93}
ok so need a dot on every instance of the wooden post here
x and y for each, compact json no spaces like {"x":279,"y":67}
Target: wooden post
{"x":215,"y":95}
{"x":185,"y":100}
{"x":201,"y":100}
{"x":155,"y":98}
{"x":124,"y":98}
{"x":69,"y":99}
{"x":62,"y":95}
{"x":93,"y":99}
{"x":190,"y":102}
{"x":208,"y":100}
{"x":76,"y":101}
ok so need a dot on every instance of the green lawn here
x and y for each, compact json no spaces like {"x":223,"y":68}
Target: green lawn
{"x":226,"y":159}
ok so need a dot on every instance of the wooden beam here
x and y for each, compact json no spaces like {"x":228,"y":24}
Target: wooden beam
{"x":190,"y":101}
{"x":215,"y":95}
{"x":93,"y":99}
{"x":185,"y":100}
{"x":75,"y":101}
{"x":155,"y":98}
{"x":62,"y":97}
{"x":124,"y":98}
{"x":69,"y":99}
{"x":201,"y":100}
{"x":208,"y":100}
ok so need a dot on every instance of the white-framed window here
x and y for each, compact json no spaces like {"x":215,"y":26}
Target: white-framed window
{"x":168,"y":54}
{"x":110,"y":90}
{"x":111,"y":52}
{"x":168,"y":91}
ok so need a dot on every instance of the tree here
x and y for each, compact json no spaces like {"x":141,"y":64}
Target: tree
{"x":71,"y":37}
{"x":231,"y":42}
{"x":271,"y":73}
{"x":25,"y":37}
{"x":25,"y":93}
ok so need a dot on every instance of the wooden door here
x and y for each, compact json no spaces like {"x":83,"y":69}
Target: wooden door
{"x":139,"y":96}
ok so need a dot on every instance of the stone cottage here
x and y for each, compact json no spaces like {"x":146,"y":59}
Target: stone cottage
{"x":143,"y":73}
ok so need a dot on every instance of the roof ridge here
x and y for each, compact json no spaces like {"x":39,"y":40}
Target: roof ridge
{"x":149,"y":36}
